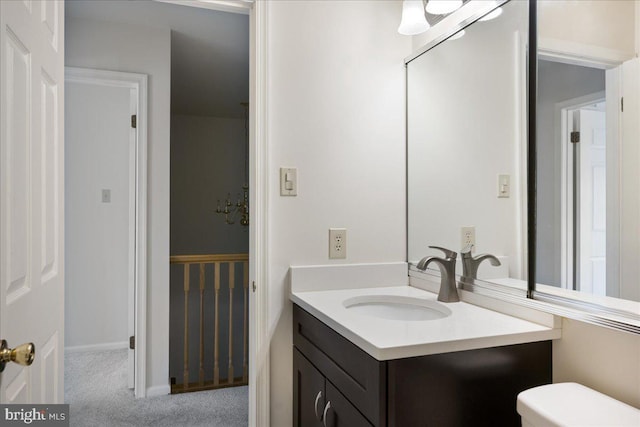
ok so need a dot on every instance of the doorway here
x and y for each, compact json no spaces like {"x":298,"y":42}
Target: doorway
{"x":584,"y":170}
{"x":105,"y":216}
{"x":585,"y":199}
{"x":88,"y":46}
{"x":209,"y":213}
{"x":93,"y":42}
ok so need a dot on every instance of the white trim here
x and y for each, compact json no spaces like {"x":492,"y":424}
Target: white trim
{"x":158,"y":390}
{"x":141,"y":247}
{"x":259,"y":339}
{"x":232,"y":6}
{"x":521,"y":161}
{"x":97,"y":347}
{"x":137,"y":82}
{"x":131,"y":300}
{"x":580,"y":54}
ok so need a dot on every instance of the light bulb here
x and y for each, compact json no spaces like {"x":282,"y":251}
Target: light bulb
{"x":413,"y":19}
{"x":457,"y":35}
{"x":492,"y":15}
{"x":442,"y":7}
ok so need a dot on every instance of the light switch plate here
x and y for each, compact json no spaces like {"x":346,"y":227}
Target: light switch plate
{"x":504,"y":186}
{"x":288,"y":181}
{"x":106,"y":196}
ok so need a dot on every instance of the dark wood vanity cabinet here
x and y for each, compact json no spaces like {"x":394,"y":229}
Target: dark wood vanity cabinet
{"x":316,"y":399}
{"x":353,"y":382}
{"x":465,"y":388}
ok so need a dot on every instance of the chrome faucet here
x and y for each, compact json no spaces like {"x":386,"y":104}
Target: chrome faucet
{"x":447,"y":265}
{"x":470,"y":263}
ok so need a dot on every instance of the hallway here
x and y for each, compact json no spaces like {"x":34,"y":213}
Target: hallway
{"x":96,"y":389}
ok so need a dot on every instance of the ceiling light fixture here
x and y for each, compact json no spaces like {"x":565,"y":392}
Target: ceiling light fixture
{"x":413,"y":19}
{"x":457,"y":35}
{"x":441,"y":7}
{"x":492,"y":15}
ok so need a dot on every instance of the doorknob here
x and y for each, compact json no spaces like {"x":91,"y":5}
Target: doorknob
{"x":22,"y":354}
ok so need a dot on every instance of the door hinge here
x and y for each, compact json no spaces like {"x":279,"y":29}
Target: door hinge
{"x":134,"y":121}
{"x":622,"y":104}
{"x":253,"y":285}
{"x":575,"y":137}
{"x":132,"y":343}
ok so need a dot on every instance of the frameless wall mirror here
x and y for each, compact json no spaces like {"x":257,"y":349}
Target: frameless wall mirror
{"x":466,"y":144}
{"x":588,"y":160}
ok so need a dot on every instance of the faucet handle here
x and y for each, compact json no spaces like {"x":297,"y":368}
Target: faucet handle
{"x":447,"y":252}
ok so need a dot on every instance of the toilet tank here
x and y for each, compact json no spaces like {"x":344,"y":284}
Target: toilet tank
{"x":572,"y":404}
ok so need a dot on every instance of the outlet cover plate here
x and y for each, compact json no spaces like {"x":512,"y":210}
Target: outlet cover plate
{"x":467,"y":237}
{"x":337,"y":243}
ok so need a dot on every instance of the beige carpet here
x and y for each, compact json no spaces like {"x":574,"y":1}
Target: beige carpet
{"x":96,"y":390}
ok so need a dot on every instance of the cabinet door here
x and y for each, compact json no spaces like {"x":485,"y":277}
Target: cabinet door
{"x":339,"y":412}
{"x":308,"y":393}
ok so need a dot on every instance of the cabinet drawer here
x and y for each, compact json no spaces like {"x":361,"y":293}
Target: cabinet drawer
{"x":358,"y":376}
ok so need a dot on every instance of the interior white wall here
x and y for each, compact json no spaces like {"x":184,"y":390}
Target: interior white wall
{"x":336,"y":112}
{"x":96,"y":234}
{"x":146,"y":50}
{"x":575,"y":21}
{"x":556,"y":83}
{"x":603,"y":359}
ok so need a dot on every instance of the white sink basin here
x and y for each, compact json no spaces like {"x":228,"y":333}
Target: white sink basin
{"x":395,"y":307}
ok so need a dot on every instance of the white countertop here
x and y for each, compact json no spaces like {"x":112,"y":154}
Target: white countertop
{"x":468,"y":327}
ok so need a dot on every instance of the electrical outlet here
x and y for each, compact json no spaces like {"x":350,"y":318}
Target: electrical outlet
{"x":337,"y":243}
{"x":468,"y":236}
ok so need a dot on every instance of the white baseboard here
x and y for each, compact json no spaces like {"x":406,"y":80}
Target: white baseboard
{"x":97,"y":347}
{"x":159,"y":390}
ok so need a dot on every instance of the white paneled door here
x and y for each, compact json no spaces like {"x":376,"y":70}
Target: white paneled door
{"x":592,"y":207}
{"x":31,"y":196}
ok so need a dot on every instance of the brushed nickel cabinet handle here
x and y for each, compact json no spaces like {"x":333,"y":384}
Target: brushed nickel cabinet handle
{"x":315,"y":406}
{"x":325,"y":415}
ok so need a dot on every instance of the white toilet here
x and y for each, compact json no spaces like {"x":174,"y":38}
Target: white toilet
{"x":572,"y":404}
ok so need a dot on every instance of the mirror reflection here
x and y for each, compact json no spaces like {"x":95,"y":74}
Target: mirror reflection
{"x":588,"y":185}
{"x":466,"y":133}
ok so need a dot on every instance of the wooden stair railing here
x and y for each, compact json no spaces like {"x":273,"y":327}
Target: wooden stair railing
{"x":217,"y":261}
